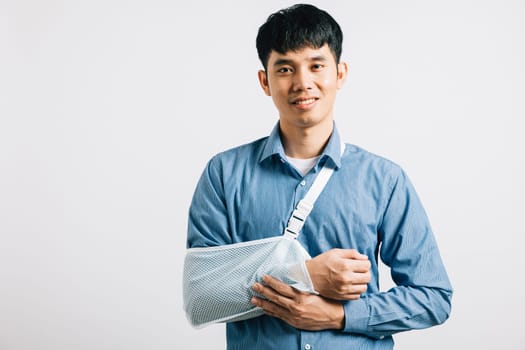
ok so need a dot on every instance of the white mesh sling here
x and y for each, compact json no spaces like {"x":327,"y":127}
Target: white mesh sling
{"x":217,"y":281}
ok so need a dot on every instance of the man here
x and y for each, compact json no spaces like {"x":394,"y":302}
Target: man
{"x":368,"y":209}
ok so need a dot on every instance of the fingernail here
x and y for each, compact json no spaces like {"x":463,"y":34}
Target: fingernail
{"x":253,"y":301}
{"x":256,"y":287}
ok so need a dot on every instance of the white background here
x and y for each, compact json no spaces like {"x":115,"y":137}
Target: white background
{"x":109,"y":111}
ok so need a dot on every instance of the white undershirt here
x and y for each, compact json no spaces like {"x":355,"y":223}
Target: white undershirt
{"x":303,"y":165}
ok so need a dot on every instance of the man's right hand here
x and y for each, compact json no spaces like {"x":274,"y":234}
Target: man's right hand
{"x":340,"y":274}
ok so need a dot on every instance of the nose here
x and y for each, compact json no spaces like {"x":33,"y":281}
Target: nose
{"x":302,"y":80}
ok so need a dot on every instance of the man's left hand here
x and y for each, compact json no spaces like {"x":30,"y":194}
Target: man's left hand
{"x":300,"y":310}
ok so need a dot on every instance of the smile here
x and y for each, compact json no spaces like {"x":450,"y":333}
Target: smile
{"x":305,"y":102}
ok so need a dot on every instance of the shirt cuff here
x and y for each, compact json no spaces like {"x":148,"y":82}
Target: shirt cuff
{"x":356,"y":316}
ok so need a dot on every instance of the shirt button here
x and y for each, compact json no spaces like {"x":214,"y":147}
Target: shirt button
{"x":307,"y":347}
{"x":382,"y":337}
{"x":282,"y":160}
{"x":303,"y":183}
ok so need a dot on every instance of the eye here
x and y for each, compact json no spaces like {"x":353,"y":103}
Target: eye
{"x":284,"y":70}
{"x":317,"y":66}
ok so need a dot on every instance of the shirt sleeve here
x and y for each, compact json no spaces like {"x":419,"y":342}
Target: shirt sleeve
{"x":422,"y":296}
{"x":208,"y":223}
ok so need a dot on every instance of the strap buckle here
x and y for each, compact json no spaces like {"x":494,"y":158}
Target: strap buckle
{"x":299,"y":215}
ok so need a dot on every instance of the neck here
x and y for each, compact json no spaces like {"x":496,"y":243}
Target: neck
{"x":307,"y":142}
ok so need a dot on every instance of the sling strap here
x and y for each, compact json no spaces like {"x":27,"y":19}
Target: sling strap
{"x":305,"y":205}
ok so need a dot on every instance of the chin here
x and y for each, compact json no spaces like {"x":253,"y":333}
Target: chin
{"x":308,"y":122}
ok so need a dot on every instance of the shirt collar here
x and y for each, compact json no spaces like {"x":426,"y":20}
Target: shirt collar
{"x":274,"y":146}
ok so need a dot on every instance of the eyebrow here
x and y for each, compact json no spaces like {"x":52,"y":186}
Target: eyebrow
{"x":286,"y":61}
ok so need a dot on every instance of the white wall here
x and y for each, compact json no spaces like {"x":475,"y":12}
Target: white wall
{"x":110,"y":109}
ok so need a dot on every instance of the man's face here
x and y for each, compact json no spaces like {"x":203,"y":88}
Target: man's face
{"x":303,"y":85}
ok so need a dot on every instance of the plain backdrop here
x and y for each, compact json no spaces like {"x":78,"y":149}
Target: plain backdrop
{"x":109,"y":111}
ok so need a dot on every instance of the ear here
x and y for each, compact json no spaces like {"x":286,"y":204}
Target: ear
{"x":263,"y":80}
{"x":342,"y":73}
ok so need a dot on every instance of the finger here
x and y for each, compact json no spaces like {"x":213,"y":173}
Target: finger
{"x":349,"y":290}
{"x":270,"y":308}
{"x":357,"y":289}
{"x":350,"y":297}
{"x":359,"y":266}
{"x":279,"y":286}
{"x":271,"y":295}
{"x":352,"y":254}
{"x":360,"y":278}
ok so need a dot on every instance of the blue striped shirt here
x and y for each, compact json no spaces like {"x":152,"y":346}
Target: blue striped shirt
{"x":369,"y":204}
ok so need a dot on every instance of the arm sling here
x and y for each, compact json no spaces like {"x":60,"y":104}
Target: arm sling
{"x":217,"y":281}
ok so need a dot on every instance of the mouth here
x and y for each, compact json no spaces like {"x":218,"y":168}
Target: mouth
{"x":304,"y":102}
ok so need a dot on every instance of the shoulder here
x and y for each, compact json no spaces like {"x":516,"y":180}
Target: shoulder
{"x":238,"y":156}
{"x":360,"y":158}
{"x":371,"y":174}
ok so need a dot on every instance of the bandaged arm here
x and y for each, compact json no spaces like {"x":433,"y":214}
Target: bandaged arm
{"x":218,"y":275}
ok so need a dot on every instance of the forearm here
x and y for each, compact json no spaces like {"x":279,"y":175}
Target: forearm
{"x":400,"y":309}
{"x":422,"y":296}
{"x":218,"y":280}
{"x":216,"y":292}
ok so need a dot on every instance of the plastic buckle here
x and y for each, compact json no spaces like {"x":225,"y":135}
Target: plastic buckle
{"x":290,"y":234}
{"x":302,"y":210}
{"x":295,"y":225}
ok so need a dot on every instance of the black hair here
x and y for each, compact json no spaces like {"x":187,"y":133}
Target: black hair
{"x":297,"y":27}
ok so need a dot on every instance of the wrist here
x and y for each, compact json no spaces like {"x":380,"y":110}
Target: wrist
{"x":341,"y":322}
{"x":311,"y":273}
